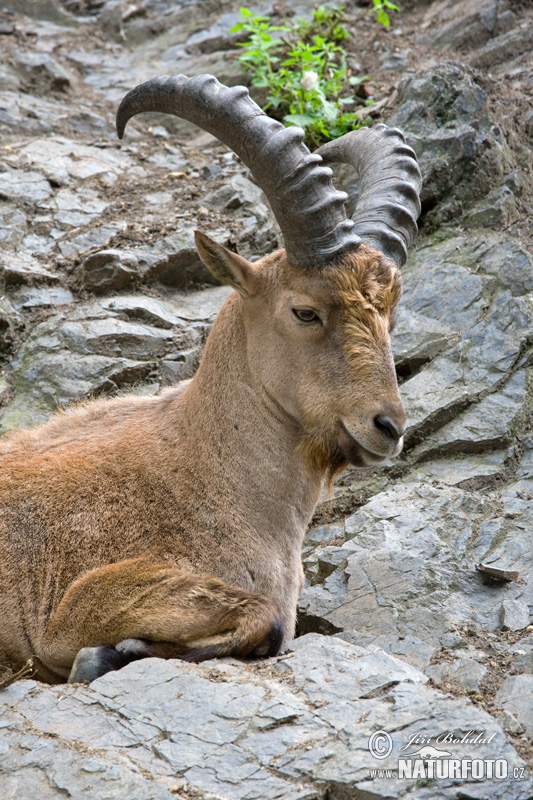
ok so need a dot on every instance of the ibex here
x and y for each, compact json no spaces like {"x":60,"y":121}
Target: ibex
{"x":172,"y":525}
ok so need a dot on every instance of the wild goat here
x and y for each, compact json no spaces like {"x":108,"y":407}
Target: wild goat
{"x":171,"y":526}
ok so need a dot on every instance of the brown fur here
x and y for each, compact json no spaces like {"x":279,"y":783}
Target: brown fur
{"x":178,"y":519}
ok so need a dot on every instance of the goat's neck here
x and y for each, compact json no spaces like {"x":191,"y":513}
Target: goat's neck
{"x":242,"y":437}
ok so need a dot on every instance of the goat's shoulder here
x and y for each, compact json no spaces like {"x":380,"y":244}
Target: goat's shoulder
{"x":88,"y":422}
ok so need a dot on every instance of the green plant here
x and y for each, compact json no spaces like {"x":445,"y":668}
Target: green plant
{"x":380,"y":8}
{"x":303,"y":69}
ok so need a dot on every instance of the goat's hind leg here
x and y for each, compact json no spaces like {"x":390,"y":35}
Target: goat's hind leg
{"x":135,"y":609}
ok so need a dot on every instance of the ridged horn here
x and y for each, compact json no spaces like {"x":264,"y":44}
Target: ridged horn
{"x":389,"y":201}
{"x":309,"y":210}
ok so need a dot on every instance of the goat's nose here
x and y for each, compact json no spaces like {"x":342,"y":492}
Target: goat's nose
{"x":389,"y":427}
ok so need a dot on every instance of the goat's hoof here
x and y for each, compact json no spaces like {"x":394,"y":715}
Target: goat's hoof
{"x":271,"y":643}
{"x":93,"y":662}
{"x":133,"y":649}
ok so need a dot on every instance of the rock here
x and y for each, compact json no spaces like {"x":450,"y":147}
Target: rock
{"x":109,"y":270}
{"x":42,"y":74}
{"x":176,"y":261}
{"x":7,"y":318}
{"x":103,"y":346}
{"x":200,"y":307}
{"x":497,"y":211}
{"x":443,"y":113}
{"x":13,"y":226}
{"x":240,"y":193}
{"x":88,"y":122}
{"x":395,"y":61}
{"x":4,"y":390}
{"x":180,"y":367}
{"x":516,"y":697}
{"x":296,"y":727}
{"x":504,"y":47}
{"x":115,"y":337}
{"x":509,"y":723}
{"x":407,"y":569}
{"x":63,"y":161}
{"x":23,"y":269}
{"x":77,"y":208}
{"x":486,"y":336}
{"x":494,"y":254}
{"x":64,"y":360}
{"x":483,"y":426}
{"x":523,"y":655}
{"x":463,"y":471}
{"x":44,"y":381}
{"x":525,"y":469}
{"x":322,"y":534}
{"x":458,"y":310}
{"x":217,"y":37}
{"x":416,"y":340}
{"x":151,"y":310}
{"x":45,"y":297}
{"x":464,"y":672}
{"x":28,"y":187}
{"x":470,"y":25}
{"x":77,"y":244}
{"x":515,"y":615}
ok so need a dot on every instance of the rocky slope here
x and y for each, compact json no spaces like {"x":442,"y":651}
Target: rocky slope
{"x":102,"y":292}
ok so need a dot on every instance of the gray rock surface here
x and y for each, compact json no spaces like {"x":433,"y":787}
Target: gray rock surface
{"x":406,"y":575}
{"x":516,"y":696}
{"x":295,"y":727}
{"x":102,"y":291}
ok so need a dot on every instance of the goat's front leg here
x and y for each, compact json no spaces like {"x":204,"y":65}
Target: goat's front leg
{"x":135,"y":609}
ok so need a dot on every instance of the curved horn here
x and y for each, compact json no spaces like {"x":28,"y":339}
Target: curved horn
{"x":389,"y":202}
{"x":309,"y":211}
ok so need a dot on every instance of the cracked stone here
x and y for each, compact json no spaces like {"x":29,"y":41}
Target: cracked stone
{"x":515,"y":695}
{"x":293,"y":727}
{"x":45,"y":297}
{"x":497,"y":211}
{"x":109,"y":270}
{"x":407,"y":569}
{"x":176,"y":261}
{"x":31,"y":187}
{"x":482,"y":426}
{"x":515,"y":615}
{"x":64,"y":161}
{"x":443,"y":112}
{"x":463,"y":671}
{"x":23,"y":269}
{"x":43,"y":74}
{"x":458,"y":471}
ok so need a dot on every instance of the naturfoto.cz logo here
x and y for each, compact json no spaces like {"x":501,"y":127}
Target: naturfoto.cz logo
{"x":430,"y":762}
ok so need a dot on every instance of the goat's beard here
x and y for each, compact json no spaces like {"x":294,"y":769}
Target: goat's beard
{"x":322,"y":454}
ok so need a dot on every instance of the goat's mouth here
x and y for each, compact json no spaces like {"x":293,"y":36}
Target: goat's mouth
{"x":357,"y":453}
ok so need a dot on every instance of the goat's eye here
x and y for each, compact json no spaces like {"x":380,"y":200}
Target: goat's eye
{"x":305,"y":315}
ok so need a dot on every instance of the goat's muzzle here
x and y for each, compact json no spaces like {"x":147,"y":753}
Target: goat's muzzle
{"x":372,"y":445}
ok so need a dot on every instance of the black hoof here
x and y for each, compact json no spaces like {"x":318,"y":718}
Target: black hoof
{"x":93,"y":662}
{"x":271,"y":644}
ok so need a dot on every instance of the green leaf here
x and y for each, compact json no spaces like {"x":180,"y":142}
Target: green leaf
{"x":302,"y":120}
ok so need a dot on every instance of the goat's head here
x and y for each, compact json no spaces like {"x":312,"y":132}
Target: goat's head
{"x":317,"y":314}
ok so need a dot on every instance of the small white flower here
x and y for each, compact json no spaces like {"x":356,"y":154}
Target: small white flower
{"x":309,"y":80}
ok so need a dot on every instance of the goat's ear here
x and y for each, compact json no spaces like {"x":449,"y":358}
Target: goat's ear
{"x":227,"y":267}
